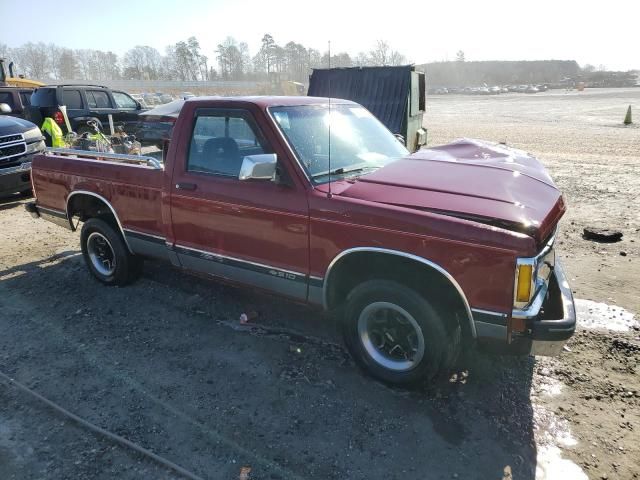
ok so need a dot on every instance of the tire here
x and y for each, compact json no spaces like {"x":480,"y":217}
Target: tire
{"x":106,"y":254}
{"x":416,"y":344}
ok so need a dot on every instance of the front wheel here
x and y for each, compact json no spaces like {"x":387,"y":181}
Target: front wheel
{"x":395,"y":334}
{"x":106,"y":254}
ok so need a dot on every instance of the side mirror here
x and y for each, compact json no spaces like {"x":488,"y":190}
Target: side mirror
{"x":138,"y":105}
{"x":400,"y":138}
{"x":5,"y":108}
{"x":258,"y":167}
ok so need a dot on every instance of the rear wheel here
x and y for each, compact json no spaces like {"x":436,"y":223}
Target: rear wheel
{"x":106,"y":254}
{"x":396,"y":334}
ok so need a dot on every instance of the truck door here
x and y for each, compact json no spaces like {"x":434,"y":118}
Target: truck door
{"x":248,"y":231}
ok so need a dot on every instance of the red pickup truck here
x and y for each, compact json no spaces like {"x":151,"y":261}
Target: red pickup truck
{"x":421,"y":254}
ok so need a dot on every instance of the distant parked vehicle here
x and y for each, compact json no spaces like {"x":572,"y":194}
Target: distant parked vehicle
{"x":140,"y":99}
{"x":154,"y":127}
{"x":17,"y":101}
{"x":163,"y":97}
{"x":441,"y":91}
{"x":150,"y":99}
{"x":85,"y":103}
{"x":483,"y":91}
{"x":20,"y":140}
{"x":495,"y":90}
{"x":542,"y":88}
{"x":531,"y":89}
{"x":504,"y":90}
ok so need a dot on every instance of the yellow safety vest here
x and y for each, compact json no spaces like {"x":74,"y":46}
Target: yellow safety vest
{"x":51,"y":128}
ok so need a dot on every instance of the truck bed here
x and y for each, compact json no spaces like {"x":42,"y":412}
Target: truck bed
{"x":131,"y":185}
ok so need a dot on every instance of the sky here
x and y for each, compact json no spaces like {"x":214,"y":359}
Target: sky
{"x":595,"y":32}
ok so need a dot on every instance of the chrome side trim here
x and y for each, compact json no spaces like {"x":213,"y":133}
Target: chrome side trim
{"x":106,"y":202}
{"x":144,"y":234}
{"x":241,"y":260}
{"x":415,"y":258}
{"x":243,"y":272}
{"x":488,"y":312}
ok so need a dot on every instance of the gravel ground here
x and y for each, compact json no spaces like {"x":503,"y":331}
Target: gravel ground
{"x":166,"y":364}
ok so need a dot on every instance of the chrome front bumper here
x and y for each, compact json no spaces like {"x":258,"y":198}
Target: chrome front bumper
{"x":555,"y":322}
{"x":550,"y":321}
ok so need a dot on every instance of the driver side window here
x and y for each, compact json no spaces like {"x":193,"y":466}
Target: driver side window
{"x":221,"y":141}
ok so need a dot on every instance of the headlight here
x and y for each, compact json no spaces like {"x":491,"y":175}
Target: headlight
{"x":32,"y":135}
{"x":36,"y":146}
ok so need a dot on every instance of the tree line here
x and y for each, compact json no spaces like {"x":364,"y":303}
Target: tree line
{"x":461,"y":73}
{"x":187,"y":61}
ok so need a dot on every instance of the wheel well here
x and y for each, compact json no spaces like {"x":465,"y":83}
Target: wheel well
{"x":358,"y":267}
{"x":86,"y":206}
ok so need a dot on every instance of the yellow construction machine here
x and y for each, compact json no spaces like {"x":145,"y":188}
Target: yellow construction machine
{"x":15,"y":81}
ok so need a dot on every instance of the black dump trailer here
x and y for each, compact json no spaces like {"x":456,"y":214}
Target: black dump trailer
{"x":395,"y":95}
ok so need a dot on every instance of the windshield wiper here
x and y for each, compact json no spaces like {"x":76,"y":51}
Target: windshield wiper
{"x":343,"y":170}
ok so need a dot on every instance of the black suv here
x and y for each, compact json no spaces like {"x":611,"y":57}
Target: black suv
{"x":84,"y":103}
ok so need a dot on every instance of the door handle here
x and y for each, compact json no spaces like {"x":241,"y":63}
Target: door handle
{"x":186,"y":186}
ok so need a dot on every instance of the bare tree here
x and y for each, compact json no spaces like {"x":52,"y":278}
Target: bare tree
{"x":142,"y":62}
{"x":380,"y":54}
{"x":33,"y":59}
{"x":233,"y":58}
{"x":67,"y":66}
{"x":460,"y":56}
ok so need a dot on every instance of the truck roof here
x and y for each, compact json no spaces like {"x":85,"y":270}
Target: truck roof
{"x":274,"y":101}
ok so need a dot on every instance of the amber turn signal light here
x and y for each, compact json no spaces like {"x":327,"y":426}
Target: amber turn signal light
{"x":523,"y":287}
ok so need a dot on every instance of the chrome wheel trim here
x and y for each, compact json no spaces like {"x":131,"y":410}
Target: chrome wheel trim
{"x":391,"y":336}
{"x":101,"y":254}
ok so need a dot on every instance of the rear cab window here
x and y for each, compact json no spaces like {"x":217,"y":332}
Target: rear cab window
{"x":72,"y":99}
{"x":98,"y":99}
{"x":221,"y":140}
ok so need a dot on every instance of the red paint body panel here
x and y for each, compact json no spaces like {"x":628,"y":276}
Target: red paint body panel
{"x":406,"y":206}
{"x":134,"y":192}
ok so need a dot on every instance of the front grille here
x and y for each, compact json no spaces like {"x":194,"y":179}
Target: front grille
{"x":10,"y":139}
{"x":9,"y":151}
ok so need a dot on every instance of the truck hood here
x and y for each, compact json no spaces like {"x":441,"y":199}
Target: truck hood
{"x":13,"y":125}
{"x":475,"y":180}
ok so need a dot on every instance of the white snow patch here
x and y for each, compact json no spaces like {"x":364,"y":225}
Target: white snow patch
{"x":546,"y":385}
{"x":595,"y":315}
{"x":550,"y":431}
{"x":551,"y":466}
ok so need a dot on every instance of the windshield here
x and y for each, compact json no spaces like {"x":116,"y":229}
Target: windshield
{"x":359,"y":143}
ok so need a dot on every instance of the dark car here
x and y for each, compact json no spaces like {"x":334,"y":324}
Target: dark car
{"x":85,"y":103}
{"x":17,"y":99}
{"x":154,"y":126}
{"x":19,"y":141}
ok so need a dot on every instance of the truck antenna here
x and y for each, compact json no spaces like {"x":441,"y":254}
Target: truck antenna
{"x":329,"y":195}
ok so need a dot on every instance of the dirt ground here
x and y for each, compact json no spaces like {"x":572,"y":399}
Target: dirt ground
{"x":166,"y":364}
